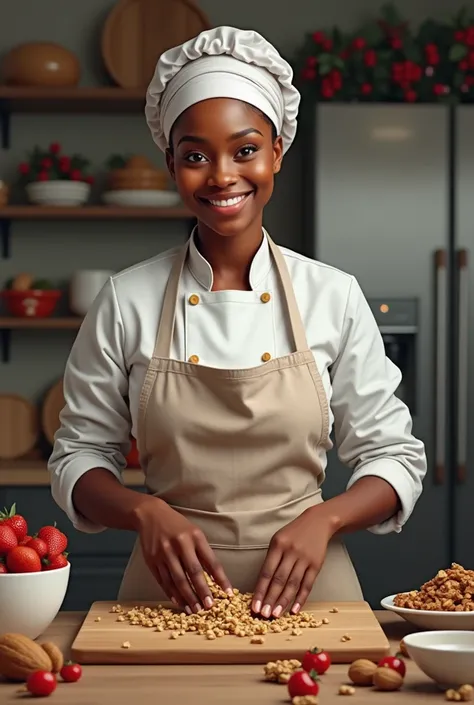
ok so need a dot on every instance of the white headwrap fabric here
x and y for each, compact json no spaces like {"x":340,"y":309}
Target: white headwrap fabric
{"x":223,"y":62}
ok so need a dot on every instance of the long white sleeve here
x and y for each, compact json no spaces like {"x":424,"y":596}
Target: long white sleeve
{"x":95,"y":423}
{"x":373,"y":426}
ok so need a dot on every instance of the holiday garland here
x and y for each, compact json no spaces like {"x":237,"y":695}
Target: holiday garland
{"x":386,"y":61}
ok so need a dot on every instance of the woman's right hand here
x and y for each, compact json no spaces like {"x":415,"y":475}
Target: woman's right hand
{"x":177,"y":553}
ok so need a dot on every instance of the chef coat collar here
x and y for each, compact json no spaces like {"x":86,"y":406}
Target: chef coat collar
{"x":202,"y":270}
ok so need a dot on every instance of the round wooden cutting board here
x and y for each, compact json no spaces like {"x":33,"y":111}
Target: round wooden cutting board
{"x":19,"y":426}
{"x":52,"y":407}
{"x":136,"y":32}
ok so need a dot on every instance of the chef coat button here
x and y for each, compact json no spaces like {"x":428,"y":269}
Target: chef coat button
{"x":194,"y":359}
{"x":265,"y":297}
{"x":266,"y":357}
{"x":193,"y":299}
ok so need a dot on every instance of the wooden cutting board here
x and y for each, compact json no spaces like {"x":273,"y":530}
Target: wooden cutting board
{"x":100,"y":642}
{"x":19,"y":426}
{"x":136,"y":32}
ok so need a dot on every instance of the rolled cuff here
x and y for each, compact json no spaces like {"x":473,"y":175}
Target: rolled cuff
{"x":62,"y":485}
{"x":395,"y":473}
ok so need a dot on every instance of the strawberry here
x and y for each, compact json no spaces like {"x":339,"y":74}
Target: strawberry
{"x":22,"y":559}
{"x":16,"y":521}
{"x":55,"y":562}
{"x":25,"y":540}
{"x":3,"y":568}
{"x":54,"y":539}
{"x":8,"y":540}
{"x":39,"y":546}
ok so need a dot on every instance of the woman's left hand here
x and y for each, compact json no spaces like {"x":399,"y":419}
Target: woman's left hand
{"x":294,"y":559}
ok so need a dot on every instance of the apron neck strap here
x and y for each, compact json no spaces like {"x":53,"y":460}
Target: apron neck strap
{"x":166,"y":325}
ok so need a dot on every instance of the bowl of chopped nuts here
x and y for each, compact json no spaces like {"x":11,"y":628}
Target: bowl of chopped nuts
{"x":447,"y":657}
{"x":443,"y":603}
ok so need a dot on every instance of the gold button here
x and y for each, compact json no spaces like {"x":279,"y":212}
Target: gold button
{"x":265,"y":297}
{"x":266,"y":357}
{"x":193,"y":299}
{"x":194,"y":359}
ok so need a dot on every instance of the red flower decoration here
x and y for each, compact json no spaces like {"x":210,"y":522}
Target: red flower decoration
{"x":55,"y":148}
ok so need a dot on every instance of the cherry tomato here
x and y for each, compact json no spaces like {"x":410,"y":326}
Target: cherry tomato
{"x":316,"y":660}
{"x":71,"y":672}
{"x":41,"y":683}
{"x":302,"y":683}
{"x":395,"y":663}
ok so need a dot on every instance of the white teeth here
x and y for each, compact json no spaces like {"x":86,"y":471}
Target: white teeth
{"x":228,"y":202}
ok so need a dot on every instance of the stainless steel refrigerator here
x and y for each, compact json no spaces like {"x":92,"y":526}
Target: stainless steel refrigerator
{"x":390,"y":199}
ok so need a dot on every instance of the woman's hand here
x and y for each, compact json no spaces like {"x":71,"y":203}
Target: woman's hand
{"x":294,"y":559}
{"x":177,"y":552}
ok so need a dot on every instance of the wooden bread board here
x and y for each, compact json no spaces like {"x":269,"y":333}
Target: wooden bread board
{"x":100,"y":642}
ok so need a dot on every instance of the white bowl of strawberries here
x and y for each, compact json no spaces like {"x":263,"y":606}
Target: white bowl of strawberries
{"x":34,"y":575}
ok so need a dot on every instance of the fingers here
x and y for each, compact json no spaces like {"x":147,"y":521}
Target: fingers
{"x":280,"y":602}
{"x":269,"y":567}
{"x":306,"y":586}
{"x":164,"y":578}
{"x":277,"y":585}
{"x":213,"y":566}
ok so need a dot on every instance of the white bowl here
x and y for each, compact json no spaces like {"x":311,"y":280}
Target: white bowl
{"x":445,"y":656}
{"x":30,"y":601}
{"x":58,"y":193}
{"x":146,"y":198}
{"x":430,"y":619}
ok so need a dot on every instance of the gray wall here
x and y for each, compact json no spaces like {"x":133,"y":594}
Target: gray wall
{"x":56,"y":249}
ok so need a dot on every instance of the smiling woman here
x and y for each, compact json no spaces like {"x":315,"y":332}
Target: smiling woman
{"x":230,"y":360}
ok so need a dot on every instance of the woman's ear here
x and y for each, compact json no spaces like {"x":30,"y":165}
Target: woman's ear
{"x":277,"y":154}
{"x":170,"y":163}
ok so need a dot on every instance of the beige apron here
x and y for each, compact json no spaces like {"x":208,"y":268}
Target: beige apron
{"x":235,"y":451}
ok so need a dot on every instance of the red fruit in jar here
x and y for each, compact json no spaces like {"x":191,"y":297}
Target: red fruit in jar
{"x":316,"y":660}
{"x":16,"y":521}
{"x":55,"y":540}
{"x":71,"y":672}
{"x":41,"y":683}
{"x":303,"y":683}
{"x":39,"y":546}
{"x":55,"y":562}
{"x":8,"y":540}
{"x":395,"y":663}
{"x":22,"y":559}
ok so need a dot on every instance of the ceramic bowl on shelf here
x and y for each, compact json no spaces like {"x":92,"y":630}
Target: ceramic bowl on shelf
{"x":447,"y":657}
{"x":29,"y":602}
{"x":431,"y":619}
{"x":58,"y":193}
{"x":141,"y":198}
{"x":33,"y":303}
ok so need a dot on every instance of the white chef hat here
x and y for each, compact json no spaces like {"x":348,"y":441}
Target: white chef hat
{"x":222,"y":63}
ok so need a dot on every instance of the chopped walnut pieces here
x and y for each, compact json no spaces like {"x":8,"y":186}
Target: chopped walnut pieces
{"x":228,"y":616}
{"x":280,"y":671}
{"x":346,"y":690}
{"x":305,"y":700}
{"x":257,"y":640}
{"x":126,"y":645}
{"x":450,"y":591}
{"x":463,"y":694}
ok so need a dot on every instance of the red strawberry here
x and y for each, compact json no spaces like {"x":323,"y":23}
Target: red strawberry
{"x":22,"y":559}
{"x":8,"y":540}
{"x":3,"y":568}
{"x":54,"y":539}
{"x":55,"y":562}
{"x":39,"y":546}
{"x":25,"y":540}
{"x":16,"y":521}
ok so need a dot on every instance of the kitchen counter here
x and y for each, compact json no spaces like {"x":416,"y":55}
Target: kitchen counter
{"x":212,"y":685}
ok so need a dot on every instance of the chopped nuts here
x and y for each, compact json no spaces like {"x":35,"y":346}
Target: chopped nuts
{"x":463,"y":694}
{"x":97,"y":619}
{"x":345,"y":637}
{"x":403,"y":649}
{"x":229,"y":615}
{"x":257,"y":640}
{"x":334,"y":610}
{"x":305,"y":700}
{"x":450,"y":591}
{"x":280,"y":671}
{"x":126,"y":645}
{"x":346,"y":690}
{"x":325,"y":620}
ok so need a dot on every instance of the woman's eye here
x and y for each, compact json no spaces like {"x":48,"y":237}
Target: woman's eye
{"x":195,"y":158}
{"x":247,"y":150}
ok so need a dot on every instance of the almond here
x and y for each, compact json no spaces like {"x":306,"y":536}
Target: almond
{"x":20,"y":656}
{"x":387,"y":679}
{"x":55,"y":654}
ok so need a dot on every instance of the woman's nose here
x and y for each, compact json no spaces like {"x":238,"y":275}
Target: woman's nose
{"x":222,"y":174}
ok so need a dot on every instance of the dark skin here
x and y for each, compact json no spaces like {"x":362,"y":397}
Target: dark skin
{"x":222,"y":148}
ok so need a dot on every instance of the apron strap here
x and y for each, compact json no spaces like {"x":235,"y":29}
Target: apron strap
{"x":166,"y":325}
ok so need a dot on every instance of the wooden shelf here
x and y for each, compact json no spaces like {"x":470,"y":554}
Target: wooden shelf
{"x":11,"y":322}
{"x":95,"y":99}
{"x":34,"y":473}
{"x":92,"y":213}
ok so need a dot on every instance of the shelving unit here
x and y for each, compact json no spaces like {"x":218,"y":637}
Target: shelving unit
{"x":10,"y":323}
{"x":34,"y":473}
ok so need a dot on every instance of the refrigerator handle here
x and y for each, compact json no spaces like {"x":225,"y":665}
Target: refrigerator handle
{"x":463,"y":357}
{"x":440,"y":377}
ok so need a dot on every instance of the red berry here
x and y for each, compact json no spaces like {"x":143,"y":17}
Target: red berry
{"x":55,"y":562}
{"x":302,"y":683}
{"x":319,"y":37}
{"x":336,"y":79}
{"x":76,"y":175}
{"x":24,"y":168}
{"x":395,"y":663}
{"x":327,"y":92}
{"x":311,"y":61}
{"x":22,"y":559}
{"x":71,"y":672}
{"x":459,"y":35}
{"x":39,"y":546}
{"x":438,"y":89}
{"x":316,"y":660}
{"x":8,"y":540}
{"x":15,"y":521}
{"x":43,"y":176}
{"x":308,"y":74}
{"x":366,"y":89}
{"x":370,"y":58}
{"x":410,"y":96}
{"x":41,"y":683}
{"x":359,"y":43}
{"x":55,"y":148}
{"x":327,"y":45}
{"x":3,"y":568}
{"x":396,"y":43}
{"x":55,"y":540}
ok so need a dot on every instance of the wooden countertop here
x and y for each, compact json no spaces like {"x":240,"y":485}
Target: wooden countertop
{"x":212,"y":685}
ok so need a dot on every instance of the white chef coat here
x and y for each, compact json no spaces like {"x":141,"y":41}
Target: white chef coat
{"x":234,"y":329}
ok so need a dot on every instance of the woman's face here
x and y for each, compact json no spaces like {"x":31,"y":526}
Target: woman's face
{"x":223,"y":160}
